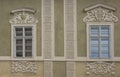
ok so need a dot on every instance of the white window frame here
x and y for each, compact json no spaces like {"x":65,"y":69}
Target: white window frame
{"x":111,"y":24}
{"x":33,"y":42}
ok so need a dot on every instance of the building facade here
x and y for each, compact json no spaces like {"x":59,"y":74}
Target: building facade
{"x":59,"y":38}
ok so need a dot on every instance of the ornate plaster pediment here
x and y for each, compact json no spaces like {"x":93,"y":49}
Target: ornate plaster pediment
{"x":23,"y":16}
{"x":100,"y":13}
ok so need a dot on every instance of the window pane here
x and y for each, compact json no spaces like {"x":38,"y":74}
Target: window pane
{"x":28,"y":54}
{"x":94,"y":30}
{"x":94,"y":41}
{"x":105,"y":48}
{"x":28,"y":31}
{"x":19,"y":47}
{"x":28,"y":47}
{"x":19,"y":31}
{"x":104,"y":30}
{"x":94,"y":55}
{"x":105,"y":41}
{"x":19,"y":54}
{"x":28,"y":42}
{"x":105,"y":52}
{"x":19,"y":41}
{"x":94,"y":48}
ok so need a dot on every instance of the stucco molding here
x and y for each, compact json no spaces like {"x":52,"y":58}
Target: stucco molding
{"x":24,"y":66}
{"x":100,"y":68}
{"x":25,"y":9}
{"x":100,"y":14}
{"x":100,"y":5}
{"x":23,"y":18}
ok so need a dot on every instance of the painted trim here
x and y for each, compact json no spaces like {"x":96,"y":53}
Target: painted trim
{"x":23,"y":10}
{"x":53,"y":29}
{"x":64,"y":30}
{"x":46,"y":14}
{"x":69,"y":28}
{"x":9,"y":58}
{"x":75,"y":28}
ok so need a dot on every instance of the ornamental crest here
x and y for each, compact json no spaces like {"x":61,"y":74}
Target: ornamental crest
{"x":24,"y":66}
{"x":100,"y":68}
{"x":100,"y":13}
{"x":23,"y":16}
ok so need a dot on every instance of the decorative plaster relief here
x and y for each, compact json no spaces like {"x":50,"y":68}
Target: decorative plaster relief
{"x":24,"y":66}
{"x":100,"y":68}
{"x":100,"y":14}
{"x":23,"y":18}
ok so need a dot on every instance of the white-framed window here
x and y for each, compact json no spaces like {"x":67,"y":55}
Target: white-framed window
{"x":100,"y":40}
{"x":23,"y":33}
{"x":23,"y":41}
{"x":100,"y":32}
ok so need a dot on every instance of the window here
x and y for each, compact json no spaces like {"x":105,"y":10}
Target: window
{"x":23,"y":33}
{"x":23,"y":38}
{"x":99,"y":22}
{"x":99,"y":41}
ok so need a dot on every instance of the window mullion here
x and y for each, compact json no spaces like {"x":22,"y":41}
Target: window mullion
{"x":109,"y":42}
{"x":32,"y":43}
{"x":23,"y":42}
{"x":99,"y":41}
{"x":14,"y":35}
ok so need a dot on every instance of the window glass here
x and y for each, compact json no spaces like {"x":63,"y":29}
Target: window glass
{"x":23,"y":37}
{"x":99,"y":41}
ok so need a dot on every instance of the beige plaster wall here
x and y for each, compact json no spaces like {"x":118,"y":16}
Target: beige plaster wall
{"x":59,"y":27}
{"x":59,"y":69}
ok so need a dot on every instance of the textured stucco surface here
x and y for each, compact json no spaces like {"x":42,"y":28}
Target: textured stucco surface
{"x":59,"y":69}
{"x":59,"y":27}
